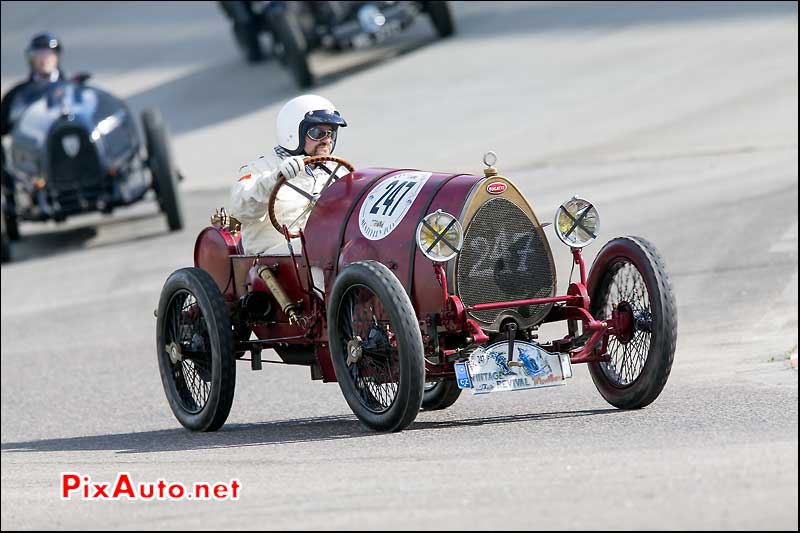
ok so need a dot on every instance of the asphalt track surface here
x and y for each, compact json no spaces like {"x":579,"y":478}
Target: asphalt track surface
{"x":678,"y":120}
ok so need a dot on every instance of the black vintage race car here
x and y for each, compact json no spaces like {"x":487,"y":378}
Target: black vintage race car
{"x":298,"y":28}
{"x":76,"y":149}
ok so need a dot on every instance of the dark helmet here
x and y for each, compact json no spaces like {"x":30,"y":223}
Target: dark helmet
{"x":44,"y":41}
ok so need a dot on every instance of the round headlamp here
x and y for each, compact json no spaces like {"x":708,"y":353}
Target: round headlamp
{"x":440,"y":236}
{"x":577,"y":222}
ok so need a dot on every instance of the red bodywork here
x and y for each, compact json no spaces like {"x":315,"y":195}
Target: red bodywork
{"x":333,"y":239}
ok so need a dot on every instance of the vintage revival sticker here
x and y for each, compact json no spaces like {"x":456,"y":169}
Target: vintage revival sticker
{"x":489,"y":369}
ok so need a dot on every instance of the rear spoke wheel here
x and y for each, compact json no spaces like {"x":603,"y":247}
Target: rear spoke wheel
{"x":196,"y":350}
{"x":182,"y":326}
{"x":440,"y":395}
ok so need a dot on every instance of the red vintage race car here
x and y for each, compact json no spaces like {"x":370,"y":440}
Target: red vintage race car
{"x":407,"y":287}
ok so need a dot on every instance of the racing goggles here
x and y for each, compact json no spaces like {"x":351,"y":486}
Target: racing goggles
{"x":42,"y":53}
{"x":317,"y":133}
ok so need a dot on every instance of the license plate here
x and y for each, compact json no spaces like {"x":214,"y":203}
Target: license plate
{"x":362,"y":40}
{"x":488,"y":369}
{"x":462,"y":376}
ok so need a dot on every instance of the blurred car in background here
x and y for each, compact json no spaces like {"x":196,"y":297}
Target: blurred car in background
{"x":76,"y":149}
{"x":298,"y":28}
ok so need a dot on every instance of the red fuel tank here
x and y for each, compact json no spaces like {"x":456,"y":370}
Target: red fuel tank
{"x":212,"y":251}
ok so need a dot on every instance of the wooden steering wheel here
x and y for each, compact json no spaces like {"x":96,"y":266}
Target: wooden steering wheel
{"x":316,"y":161}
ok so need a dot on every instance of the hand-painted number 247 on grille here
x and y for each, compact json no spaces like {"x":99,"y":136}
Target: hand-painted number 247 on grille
{"x":503,"y":255}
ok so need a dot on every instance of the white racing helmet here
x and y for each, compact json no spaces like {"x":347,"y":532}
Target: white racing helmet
{"x":301,"y":113}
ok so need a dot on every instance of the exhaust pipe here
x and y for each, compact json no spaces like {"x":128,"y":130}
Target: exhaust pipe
{"x":287,"y":306}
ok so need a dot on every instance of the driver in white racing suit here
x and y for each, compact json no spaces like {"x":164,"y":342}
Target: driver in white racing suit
{"x":306,"y":126}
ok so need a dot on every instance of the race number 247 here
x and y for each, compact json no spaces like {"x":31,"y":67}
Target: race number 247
{"x":390,"y":199}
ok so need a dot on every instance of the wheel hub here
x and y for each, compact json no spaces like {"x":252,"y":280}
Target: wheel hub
{"x":174,"y":352}
{"x":354,"y":351}
{"x":625,"y":323}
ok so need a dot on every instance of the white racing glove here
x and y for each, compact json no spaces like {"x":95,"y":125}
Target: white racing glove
{"x":291,"y":166}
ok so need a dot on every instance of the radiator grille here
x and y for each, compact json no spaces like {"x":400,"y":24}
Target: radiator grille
{"x":504,"y":258}
{"x":76,"y":178}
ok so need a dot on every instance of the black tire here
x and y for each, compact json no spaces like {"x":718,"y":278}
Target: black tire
{"x":390,"y":399}
{"x":5,"y":245}
{"x":440,"y":395}
{"x":442,"y":18}
{"x":159,"y":159}
{"x":630,"y":273}
{"x":247,"y":40}
{"x":245,"y":33}
{"x":10,"y":221}
{"x":289,"y":34}
{"x":245,"y":28}
{"x":193,"y":318}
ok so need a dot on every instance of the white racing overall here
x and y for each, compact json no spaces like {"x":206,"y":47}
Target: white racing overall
{"x":250,"y":197}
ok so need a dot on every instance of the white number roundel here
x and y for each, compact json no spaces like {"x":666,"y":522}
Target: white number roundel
{"x":386,"y":204}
